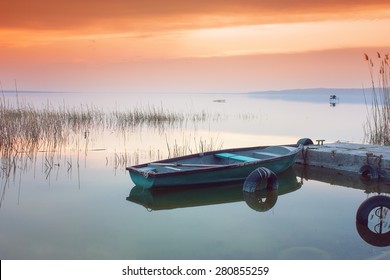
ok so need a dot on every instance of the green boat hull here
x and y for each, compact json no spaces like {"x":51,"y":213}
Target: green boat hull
{"x":210,"y":174}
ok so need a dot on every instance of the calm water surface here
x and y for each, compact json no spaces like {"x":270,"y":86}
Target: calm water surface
{"x":79,"y":203}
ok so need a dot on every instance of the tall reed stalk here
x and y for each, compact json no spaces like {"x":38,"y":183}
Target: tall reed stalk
{"x":377,"y":127}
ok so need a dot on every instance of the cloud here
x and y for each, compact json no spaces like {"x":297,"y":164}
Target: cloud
{"x":137,"y":16}
{"x":97,"y":44}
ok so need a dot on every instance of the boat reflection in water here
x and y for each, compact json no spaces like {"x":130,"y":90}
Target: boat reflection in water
{"x":373,"y":215}
{"x":171,"y":198}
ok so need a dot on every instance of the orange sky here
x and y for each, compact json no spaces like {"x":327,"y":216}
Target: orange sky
{"x":189,"y":46}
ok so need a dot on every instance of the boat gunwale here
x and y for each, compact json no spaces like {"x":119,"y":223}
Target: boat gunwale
{"x":151,"y":175}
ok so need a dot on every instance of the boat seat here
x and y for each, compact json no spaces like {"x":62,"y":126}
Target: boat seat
{"x":235,"y":157}
{"x":172,"y":168}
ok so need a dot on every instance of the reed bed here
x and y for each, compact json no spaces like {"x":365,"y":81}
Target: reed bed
{"x":26,"y":130}
{"x":377,"y":127}
{"x":150,"y":116}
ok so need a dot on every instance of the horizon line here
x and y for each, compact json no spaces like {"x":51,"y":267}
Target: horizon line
{"x":15,"y":91}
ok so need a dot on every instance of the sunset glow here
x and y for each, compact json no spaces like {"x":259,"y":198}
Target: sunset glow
{"x":188,"y":45}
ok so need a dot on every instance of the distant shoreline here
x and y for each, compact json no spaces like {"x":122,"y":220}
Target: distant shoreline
{"x":293,"y":90}
{"x":312,"y":90}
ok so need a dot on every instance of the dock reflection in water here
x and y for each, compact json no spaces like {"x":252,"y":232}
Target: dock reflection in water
{"x":214,"y":194}
{"x":373,"y":215}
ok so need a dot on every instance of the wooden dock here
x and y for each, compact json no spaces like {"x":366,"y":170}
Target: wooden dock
{"x":369,"y":161}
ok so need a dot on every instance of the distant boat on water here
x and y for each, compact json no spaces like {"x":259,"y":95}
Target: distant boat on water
{"x":333,"y":100}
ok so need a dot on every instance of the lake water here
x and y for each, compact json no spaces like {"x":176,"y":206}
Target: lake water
{"x":79,"y":202}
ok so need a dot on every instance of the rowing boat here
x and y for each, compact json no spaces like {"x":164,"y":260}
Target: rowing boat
{"x":213,"y":167}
